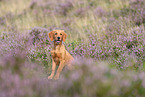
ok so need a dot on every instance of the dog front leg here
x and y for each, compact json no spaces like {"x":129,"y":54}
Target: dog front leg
{"x":61,"y":65}
{"x":53,"y":69}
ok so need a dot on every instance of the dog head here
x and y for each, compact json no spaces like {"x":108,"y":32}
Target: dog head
{"x":57,"y":35}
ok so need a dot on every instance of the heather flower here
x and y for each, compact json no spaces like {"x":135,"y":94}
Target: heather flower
{"x":63,"y":8}
{"x":2,"y":21}
{"x":80,"y":12}
{"x":138,"y":11}
{"x":66,"y":22}
{"x":99,"y":11}
{"x":95,"y":82}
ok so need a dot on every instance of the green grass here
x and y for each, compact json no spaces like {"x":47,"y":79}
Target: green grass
{"x":23,"y":18}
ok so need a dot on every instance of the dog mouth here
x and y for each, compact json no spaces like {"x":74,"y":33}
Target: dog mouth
{"x":57,"y":41}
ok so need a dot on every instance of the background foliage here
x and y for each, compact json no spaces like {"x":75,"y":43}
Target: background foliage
{"x":106,"y":38}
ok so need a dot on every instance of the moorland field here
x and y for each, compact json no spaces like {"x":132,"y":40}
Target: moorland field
{"x":106,"y":38}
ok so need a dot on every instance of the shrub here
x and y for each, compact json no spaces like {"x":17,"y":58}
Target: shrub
{"x":41,"y":46}
{"x":115,"y":46}
{"x":19,"y":78}
{"x":91,"y":79}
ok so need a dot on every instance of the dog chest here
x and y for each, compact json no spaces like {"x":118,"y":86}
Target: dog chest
{"x":56,"y":54}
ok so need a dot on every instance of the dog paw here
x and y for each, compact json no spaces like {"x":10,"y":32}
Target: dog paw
{"x":50,"y":77}
{"x":56,"y":77}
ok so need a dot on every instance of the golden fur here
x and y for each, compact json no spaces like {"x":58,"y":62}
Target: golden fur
{"x":60,"y":56}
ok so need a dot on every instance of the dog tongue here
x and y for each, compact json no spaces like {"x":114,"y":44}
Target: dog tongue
{"x":57,"y":41}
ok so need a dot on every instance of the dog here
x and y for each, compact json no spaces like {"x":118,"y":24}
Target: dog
{"x":60,"y":56}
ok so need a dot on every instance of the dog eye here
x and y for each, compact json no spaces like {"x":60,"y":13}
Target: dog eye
{"x":55,"y":33}
{"x":60,"y":34}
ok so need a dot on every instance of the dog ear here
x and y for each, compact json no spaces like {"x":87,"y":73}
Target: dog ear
{"x":64,"y":36}
{"x":50,"y":34}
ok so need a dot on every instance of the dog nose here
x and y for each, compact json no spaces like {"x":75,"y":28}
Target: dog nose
{"x":58,"y":37}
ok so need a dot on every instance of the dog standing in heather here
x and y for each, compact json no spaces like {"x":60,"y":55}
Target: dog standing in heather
{"x":60,"y":56}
